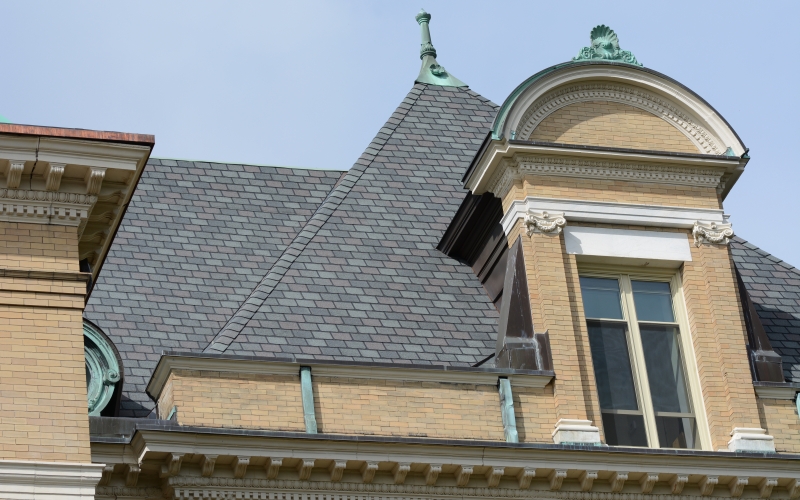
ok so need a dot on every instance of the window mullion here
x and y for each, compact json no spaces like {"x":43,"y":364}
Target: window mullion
{"x":638,"y":362}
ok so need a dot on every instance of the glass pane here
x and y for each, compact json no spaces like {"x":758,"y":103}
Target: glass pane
{"x":601,"y":298}
{"x":664,"y":368}
{"x":624,"y":430}
{"x":612,"y":365}
{"x":676,"y":432}
{"x":653,"y":301}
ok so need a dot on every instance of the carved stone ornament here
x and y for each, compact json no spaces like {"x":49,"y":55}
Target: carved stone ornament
{"x":544,"y":222}
{"x":605,"y":46}
{"x":712,"y":233}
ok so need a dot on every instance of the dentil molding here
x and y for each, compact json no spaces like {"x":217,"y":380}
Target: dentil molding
{"x":516,"y":168}
{"x":623,"y":94}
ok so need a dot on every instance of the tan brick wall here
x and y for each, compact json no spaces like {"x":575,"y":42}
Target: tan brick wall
{"x":238,"y":400}
{"x":612,"y":191}
{"x":38,"y":246}
{"x":603,"y":123}
{"x":408,"y":408}
{"x":43,"y":409}
{"x":719,"y":339}
{"x":552,"y":276}
{"x":535,"y":414}
{"x":779,"y":417}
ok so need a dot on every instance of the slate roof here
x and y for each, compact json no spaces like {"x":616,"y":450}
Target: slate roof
{"x":283,"y":262}
{"x":195,"y":240}
{"x":367,"y":283}
{"x":774,"y":288}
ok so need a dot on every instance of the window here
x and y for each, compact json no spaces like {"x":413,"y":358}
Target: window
{"x":636,"y":350}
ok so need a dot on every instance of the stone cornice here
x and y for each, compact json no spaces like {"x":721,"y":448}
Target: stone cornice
{"x":604,"y":212}
{"x":455,"y":375}
{"x":503,"y":162}
{"x":48,"y":480}
{"x":45,"y":207}
{"x":521,"y":166}
{"x":275,"y":464}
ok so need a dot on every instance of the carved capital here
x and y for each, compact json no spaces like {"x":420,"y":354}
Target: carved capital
{"x":712,"y":233}
{"x":545,"y":222}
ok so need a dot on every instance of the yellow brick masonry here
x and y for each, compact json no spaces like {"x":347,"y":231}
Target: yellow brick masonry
{"x":599,"y":123}
{"x":238,"y":400}
{"x":612,"y":191}
{"x":779,"y":418}
{"x":43,"y":413}
{"x":552,"y":282}
{"x":408,"y":408}
{"x":719,"y":339}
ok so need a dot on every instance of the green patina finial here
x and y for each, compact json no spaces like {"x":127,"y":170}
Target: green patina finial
{"x":605,"y":46}
{"x":431,"y":72}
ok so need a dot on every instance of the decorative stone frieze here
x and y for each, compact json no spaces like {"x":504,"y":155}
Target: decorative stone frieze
{"x":45,"y":207}
{"x":544,"y":222}
{"x":751,"y":439}
{"x":521,"y":165}
{"x":623,"y":94}
{"x":712,"y":233}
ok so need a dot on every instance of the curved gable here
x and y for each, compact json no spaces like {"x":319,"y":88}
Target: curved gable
{"x":608,"y":123}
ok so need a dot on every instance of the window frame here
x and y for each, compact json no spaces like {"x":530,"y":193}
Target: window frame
{"x":624,"y":275}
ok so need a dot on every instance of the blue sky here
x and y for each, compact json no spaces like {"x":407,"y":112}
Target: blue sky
{"x":308,"y":83}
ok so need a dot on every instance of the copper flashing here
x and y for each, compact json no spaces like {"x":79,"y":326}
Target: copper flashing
{"x":78,"y":133}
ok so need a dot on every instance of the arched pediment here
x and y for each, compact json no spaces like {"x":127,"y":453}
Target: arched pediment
{"x":560,"y":87}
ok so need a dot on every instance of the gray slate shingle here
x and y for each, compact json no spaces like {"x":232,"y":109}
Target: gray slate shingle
{"x":195,"y":240}
{"x":370,"y":285}
{"x":774,"y":288}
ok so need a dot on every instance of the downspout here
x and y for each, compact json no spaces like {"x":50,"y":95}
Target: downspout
{"x":507,"y":410}
{"x":307,"y":392}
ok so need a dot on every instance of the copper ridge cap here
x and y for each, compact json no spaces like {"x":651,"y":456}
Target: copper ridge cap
{"x":78,"y":133}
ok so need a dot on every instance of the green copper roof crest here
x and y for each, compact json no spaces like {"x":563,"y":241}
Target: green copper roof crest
{"x":432,"y":72}
{"x":605,"y":46}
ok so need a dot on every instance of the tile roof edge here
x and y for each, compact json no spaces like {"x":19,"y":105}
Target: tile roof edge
{"x":242,"y":316}
{"x":776,"y":260}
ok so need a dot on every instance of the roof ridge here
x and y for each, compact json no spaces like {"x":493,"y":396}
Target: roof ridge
{"x":233,"y":327}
